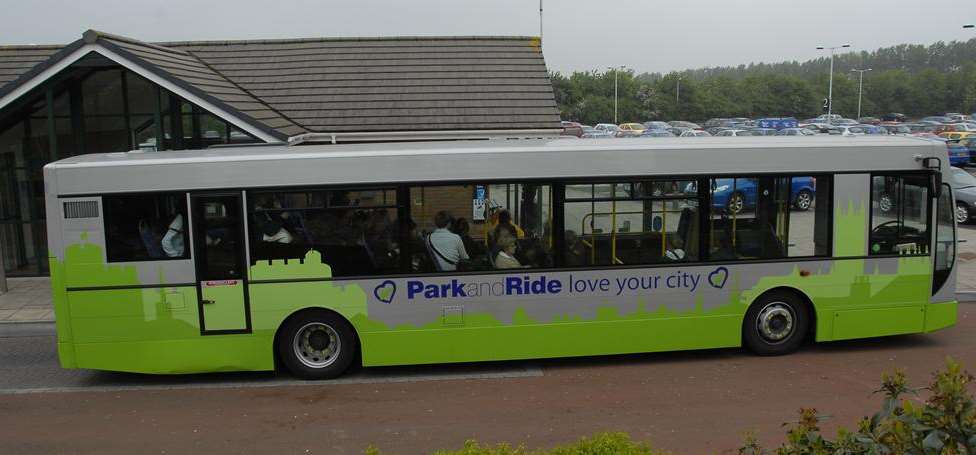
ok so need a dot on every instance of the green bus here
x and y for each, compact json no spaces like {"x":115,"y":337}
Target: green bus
{"x":313,"y":257}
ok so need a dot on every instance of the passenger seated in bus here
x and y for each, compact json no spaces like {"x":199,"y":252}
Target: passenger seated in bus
{"x":576,"y":252}
{"x":502,"y":221}
{"x":505,"y":259}
{"x":271,"y":224}
{"x":173,"y":241}
{"x":151,"y":239}
{"x":446,"y":248}
{"x":461,"y":227}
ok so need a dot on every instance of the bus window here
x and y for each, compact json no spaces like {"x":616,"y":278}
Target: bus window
{"x":899,"y":215}
{"x":809,"y":216}
{"x":748,"y":218}
{"x":483,"y":226}
{"x":355,"y":231}
{"x":622,"y":223}
{"x":146,"y":227}
{"x":945,"y":239}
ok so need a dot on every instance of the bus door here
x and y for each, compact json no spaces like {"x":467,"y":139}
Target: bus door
{"x":219,"y":248}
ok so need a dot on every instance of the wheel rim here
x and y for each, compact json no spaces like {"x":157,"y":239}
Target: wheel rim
{"x":803,"y":200}
{"x":885,"y":203}
{"x":962,"y":213}
{"x":775,"y":322}
{"x":735,"y":204}
{"x":316,"y":345}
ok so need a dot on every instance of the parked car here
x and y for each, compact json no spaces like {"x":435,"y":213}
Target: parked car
{"x":590,"y":132}
{"x":630,"y":130}
{"x":873,"y":129}
{"x":970,"y":143}
{"x":869,"y":120}
{"x":678,"y":130}
{"x":656,"y":133}
{"x":795,"y":132}
{"x":822,"y":118}
{"x":936,"y":119}
{"x":958,"y":128}
{"x":844,"y":121}
{"x":684,"y":124}
{"x":894,"y":117}
{"x":695,"y":133}
{"x":571,"y":129}
{"x":736,"y":195}
{"x":777,"y":122}
{"x":916,"y":128}
{"x":607,"y":127}
{"x":655,"y":125}
{"x":762,"y":132}
{"x":897,"y":129}
{"x":958,"y":153}
{"x":955,"y":136}
{"x":734,"y":133}
{"x":964,"y":189}
{"x":849,"y":130}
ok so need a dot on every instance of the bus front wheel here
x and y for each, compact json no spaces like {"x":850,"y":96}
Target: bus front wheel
{"x":776,"y":323}
{"x":317,"y":345}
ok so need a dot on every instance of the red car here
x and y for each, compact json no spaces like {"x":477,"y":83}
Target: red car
{"x":571,"y":129}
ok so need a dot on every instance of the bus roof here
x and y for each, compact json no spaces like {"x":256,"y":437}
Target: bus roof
{"x":372,"y":164}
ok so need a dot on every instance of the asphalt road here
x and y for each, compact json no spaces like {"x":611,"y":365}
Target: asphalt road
{"x":691,"y":402}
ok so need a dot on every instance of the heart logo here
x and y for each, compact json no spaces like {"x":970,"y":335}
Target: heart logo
{"x":718,"y":277}
{"x":385,"y":291}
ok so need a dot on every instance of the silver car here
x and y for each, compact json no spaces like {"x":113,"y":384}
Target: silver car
{"x":964,"y":189}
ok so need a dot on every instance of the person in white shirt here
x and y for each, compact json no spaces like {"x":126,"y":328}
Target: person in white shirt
{"x":173,"y":241}
{"x":446,"y":247}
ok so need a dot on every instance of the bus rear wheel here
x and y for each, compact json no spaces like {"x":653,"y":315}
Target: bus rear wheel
{"x":317,"y":345}
{"x":776,"y":324}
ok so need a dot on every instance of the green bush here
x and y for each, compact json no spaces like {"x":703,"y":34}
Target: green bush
{"x":944,"y":424}
{"x":599,"y":444}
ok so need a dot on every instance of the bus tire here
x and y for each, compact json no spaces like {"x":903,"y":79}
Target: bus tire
{"x":317,"y":345}
{"x":777,"y":323}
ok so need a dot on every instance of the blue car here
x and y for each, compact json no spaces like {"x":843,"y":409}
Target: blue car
{"x":958,"y":153}
{"x":742,"y":195}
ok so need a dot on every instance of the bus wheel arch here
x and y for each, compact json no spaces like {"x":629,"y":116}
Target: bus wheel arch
{"x":316,"y":328}
{"x":778,"y":321}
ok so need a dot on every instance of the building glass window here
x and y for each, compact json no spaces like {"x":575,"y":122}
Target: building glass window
{"x":637,"y":222}
{"x":146,"y":227}
{"x":899,"y":214}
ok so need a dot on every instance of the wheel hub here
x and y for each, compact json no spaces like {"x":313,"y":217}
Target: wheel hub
{"x":775,"y":322}
{"x":316,"y":345}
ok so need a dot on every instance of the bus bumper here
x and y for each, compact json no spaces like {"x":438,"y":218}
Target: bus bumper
{"x":940,"y":315}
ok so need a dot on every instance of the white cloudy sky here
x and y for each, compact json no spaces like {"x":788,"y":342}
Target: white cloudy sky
{"x":645,"y":35}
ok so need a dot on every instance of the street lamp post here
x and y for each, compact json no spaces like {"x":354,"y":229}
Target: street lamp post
{"x":615,"y":68}
{"x":677,"y":97}
{"x":830,"y":84}
{"x":860,"y":85}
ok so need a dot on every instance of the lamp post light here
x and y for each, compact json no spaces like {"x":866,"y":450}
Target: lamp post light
{"x":830,"y":84}
{"x":677,"y":97}
{"x":969,"y":26}
{"x":860,"y":85}
{"x":615,"y":68}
